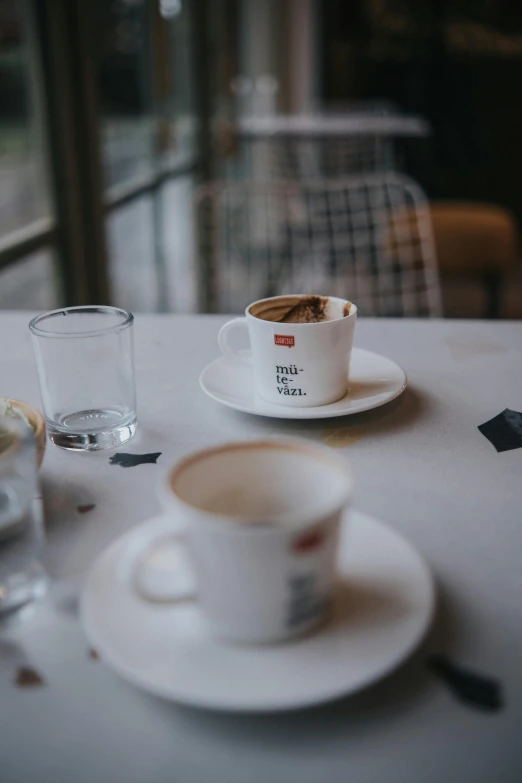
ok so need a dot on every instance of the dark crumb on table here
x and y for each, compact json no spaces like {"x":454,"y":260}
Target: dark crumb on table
{"x":131,"y":460}
{"x":504,"y":431}
{"x":28,"y":678}
{"x":478,"y":690}
{"x":83,"y":509}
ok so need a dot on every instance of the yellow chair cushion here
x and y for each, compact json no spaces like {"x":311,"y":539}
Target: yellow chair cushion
{"x":473,"y":239}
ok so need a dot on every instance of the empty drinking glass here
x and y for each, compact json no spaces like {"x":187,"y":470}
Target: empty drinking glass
{"x":86,"y":369}
{"x":22,"y":574}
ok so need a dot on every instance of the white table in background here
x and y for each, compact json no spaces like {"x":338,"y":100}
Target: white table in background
{"x":332,"y":125}
{"x":421,"y":465}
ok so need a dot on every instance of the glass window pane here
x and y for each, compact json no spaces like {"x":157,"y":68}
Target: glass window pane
{"x":175,"y":84}
{"x":146,"y":88}
{"x":23,"y":191}
{"x":179,"y":246}
{"x":29,"y":284}
{"x":148,"y":128}
{"x":152,"y":250}
{"x":125,"y":90}
{"x":25,"y":205}
{"x":133,"y":267}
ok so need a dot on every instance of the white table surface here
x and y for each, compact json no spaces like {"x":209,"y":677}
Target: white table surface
{"x":421,"y":465}
{"x":353,"y":124}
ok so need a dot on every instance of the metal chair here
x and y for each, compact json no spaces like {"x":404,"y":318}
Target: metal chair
{"x":368,"y":239}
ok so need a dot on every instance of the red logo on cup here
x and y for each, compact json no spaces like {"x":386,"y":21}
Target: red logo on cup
{"x":284,"y":339}
{"x":308,"y":542}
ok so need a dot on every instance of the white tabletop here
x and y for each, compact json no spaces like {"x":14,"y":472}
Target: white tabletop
{"x":421,"y":465}
{"x":353,"y":124}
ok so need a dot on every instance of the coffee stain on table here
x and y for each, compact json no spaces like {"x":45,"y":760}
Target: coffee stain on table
{"x":360,"y":390}
{"x":477,"y":690}
{"x":343,"y":437}
{"x":86,"y":507}
{"x":131,"y":460}
{"x":27,"y":677}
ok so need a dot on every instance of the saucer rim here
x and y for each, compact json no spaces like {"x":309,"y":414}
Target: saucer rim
{"x":305,"y":412}
{"x":255,"y":707}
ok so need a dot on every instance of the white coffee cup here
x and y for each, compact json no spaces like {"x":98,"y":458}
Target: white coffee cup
{"x":296,"y":364}
{"x":257,"y":525}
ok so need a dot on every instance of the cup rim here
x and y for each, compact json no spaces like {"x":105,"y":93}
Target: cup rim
{"x":126,"y":317}
{"x":293,"y":520}
{"x":351,"y":314}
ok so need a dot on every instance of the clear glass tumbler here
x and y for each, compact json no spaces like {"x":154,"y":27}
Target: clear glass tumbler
{"x":22,"y":573}
{"x":85,"y":358}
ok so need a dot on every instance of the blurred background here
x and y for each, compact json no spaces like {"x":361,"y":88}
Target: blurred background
{"x":194,"y":155}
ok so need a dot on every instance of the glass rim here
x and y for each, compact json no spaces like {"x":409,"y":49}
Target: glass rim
{"x":127,"y":319}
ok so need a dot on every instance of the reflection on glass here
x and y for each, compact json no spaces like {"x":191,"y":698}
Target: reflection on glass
{"x":169,"y":9}
{"x":23,"y":193}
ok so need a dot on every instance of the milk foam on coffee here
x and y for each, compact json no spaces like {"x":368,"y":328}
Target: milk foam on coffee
{"x":301,"y":309}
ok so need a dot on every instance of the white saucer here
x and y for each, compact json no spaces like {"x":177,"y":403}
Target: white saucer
{"x":383,"y":606}
{"x":374,"y":381}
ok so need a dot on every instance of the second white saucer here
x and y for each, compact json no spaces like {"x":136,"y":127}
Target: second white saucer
{"x":382,"y":608}
{"x":374,"y":381}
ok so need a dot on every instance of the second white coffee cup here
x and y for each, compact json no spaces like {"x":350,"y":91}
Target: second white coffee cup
{"x":258,"y":524}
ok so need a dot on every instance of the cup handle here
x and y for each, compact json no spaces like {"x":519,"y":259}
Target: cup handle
{"x":154,"y":560}
{"x":223,"y":343}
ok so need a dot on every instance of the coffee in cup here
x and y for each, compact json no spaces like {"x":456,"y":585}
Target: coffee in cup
{"x":300,"y":309}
